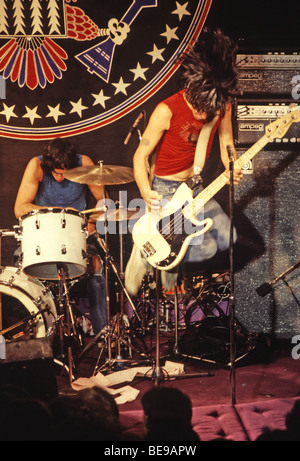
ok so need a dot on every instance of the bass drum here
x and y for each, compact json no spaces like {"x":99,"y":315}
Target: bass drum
{"x":21,"y":298}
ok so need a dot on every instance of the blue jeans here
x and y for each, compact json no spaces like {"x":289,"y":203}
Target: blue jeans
{"x":217,"y":239}
{"x":97,"y":302}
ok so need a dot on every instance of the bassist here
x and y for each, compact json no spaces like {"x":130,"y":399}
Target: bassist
{"x":181,"y":130}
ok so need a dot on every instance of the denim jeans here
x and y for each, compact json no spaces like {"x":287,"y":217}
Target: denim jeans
{"x":201,"y":248}
{"x":97,"y":302}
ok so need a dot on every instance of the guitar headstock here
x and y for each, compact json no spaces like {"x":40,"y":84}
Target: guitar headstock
{"x":278,"y":128}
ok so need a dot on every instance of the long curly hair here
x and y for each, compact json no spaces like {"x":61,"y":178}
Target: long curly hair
{"x":59,"y":154}
{"x":209,"y":73}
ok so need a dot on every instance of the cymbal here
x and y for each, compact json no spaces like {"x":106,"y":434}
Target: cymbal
{"x":100,"y":175}
{"x":121,"y":214}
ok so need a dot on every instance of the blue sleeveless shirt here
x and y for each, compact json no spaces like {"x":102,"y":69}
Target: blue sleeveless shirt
{"x":65,"y":194}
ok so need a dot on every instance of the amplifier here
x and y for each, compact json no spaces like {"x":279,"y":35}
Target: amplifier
{"x":272,"y":73}
{"x":254,"y":115}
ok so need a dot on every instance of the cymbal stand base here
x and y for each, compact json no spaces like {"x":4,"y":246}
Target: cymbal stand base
{"x":117,"y":337}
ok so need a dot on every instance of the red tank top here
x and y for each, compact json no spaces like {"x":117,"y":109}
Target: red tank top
{"x":176,"y":150}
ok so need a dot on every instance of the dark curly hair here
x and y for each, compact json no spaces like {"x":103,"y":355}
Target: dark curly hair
{"x":209,"y":73}
{"x":59,"y":154}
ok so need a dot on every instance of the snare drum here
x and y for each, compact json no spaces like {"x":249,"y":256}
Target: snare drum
{"x":21,"y":297}
{"x":53,"y":239}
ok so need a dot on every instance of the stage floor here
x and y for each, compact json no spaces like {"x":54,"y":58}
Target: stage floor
{"x":264,"y":374}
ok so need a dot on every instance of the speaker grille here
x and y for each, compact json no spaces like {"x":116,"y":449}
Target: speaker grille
{"x":267,"y":219}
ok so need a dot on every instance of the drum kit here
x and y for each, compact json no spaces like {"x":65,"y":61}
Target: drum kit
{"x":34,"y":297}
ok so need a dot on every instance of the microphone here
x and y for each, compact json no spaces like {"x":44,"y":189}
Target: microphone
{"x":264,"y":289}
{"x":230,"y":153}
{"x":133,"y":127}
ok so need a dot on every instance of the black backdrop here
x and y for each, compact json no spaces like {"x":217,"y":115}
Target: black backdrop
{"x":255,"y":25}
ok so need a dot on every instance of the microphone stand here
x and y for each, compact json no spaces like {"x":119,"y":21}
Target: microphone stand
{"x":232,"y":277}
{"x":266,"y":288}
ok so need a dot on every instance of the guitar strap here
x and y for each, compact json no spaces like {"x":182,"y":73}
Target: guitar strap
{"x":202,"y":145}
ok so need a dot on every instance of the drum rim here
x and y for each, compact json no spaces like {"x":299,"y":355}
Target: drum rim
{"x":54,"y":210}
{"x":12,"y":289}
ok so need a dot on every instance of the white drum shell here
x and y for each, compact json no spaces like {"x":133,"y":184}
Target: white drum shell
{"x":52,"y":239}
{"x":33,"y":295}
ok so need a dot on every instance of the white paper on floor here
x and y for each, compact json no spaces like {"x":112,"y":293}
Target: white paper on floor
{"x":126,"y":393}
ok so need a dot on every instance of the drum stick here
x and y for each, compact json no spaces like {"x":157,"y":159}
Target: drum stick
{"x":93,"y":210}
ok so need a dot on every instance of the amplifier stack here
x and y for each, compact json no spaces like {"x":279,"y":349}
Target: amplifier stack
{"x":267,"y":201}
{"x":270,"y":73}
{"x":270,"y":88}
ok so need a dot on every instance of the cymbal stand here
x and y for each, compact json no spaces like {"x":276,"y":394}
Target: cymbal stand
{"x":110,"y":264}
{"x":66,"y":310}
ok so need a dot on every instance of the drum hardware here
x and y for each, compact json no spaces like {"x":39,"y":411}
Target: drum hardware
{"x":67,"y":329}
{"x":158,"y":373}
{"x":114,"y":329}
{"x":26,"y":299}
{"x":3,"y":233}
{"x":26,"y":321}
{"x":205,"y":293}
{"x":115,"y":333}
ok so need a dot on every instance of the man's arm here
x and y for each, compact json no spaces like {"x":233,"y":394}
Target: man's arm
{"x":226,"y":139}
{"x":159,"y":122}
{"x":28,"y":188}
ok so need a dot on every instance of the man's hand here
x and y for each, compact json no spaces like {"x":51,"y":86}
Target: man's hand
{"x":152,"y":199}
{"x":237,"y":176}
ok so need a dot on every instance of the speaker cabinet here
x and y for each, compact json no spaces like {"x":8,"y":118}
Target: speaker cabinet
{"x":29,"y":365}
{"x":267,"y":219}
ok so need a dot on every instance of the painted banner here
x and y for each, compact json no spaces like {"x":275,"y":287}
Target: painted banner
{"x":73,"y":66}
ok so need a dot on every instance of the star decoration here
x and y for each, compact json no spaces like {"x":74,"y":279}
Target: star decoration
{"x":32,"y":114}
{"x":55,"y":112}
{"x":156,"y":54}
{"x":100,"y":99}
{"x":139,"y":72}
{"x":8,"y":112}
{"x":181,"y":10}
{"x":121,"y":86}
{"x":78,"y":107}
{"x":170,"y":34}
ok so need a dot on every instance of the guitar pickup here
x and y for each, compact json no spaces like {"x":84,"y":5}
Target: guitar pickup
{"x":148,"y":250}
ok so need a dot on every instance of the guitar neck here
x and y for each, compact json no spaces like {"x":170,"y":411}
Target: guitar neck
{"x":221,"y":181}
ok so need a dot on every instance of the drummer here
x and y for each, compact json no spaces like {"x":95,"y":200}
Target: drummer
{"x":43,"y":186}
